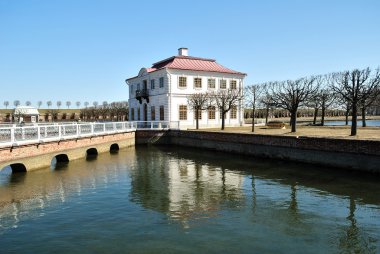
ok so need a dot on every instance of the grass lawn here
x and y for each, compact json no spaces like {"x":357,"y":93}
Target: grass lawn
{"x":367,"y":133}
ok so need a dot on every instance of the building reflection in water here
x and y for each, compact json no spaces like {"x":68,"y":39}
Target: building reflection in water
{"x":185,"y":190}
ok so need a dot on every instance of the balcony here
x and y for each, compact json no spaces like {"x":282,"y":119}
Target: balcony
{"x":142,"y":94}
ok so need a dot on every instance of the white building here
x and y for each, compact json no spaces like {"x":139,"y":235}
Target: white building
{"x":160,"y":93}
{"x":26,"y":114}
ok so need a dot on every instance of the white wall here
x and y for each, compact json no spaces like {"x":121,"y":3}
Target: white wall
{"x":171,"y":96}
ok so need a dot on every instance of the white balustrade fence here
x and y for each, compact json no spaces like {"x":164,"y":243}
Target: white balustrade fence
{"x":38,"y":133}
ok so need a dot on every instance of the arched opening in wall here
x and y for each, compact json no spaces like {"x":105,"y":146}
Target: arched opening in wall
{"x":114,"y":148}
{"x":59,"y":161}
{"x":91,"y":154}
{"x":14,"y":168}
{"x":13,"y":173}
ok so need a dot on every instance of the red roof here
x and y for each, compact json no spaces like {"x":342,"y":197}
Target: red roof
{"x":191,"y":63}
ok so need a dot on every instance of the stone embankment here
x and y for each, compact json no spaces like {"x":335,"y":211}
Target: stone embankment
{"x":363,"y":155}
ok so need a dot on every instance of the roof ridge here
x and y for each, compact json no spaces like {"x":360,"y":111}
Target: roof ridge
{"x":183,"y":57}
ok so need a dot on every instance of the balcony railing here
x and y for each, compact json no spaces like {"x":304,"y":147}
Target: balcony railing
{"x":142,"y":94}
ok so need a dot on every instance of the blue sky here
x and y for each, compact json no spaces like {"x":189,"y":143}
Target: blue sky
{"x":84,"y":50}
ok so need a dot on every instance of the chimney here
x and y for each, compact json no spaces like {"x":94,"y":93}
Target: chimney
{"x":183,"y":52}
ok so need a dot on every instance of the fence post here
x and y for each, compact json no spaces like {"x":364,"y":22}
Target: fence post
{"x":38,"y":133}
{"x":13,"y":138}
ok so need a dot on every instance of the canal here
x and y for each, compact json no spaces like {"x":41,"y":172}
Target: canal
{"x":171,"y":200}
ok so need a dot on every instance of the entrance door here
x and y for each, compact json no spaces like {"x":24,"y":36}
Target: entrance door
{"x":145,"y":112}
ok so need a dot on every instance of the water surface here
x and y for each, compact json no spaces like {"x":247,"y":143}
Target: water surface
{"x":174,"y":200}
{"x":360,"y":123}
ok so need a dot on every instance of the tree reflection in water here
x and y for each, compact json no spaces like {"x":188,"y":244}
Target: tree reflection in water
{"x":354,"y":240}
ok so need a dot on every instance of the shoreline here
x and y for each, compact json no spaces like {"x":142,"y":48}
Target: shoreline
{"x":349,"y":154}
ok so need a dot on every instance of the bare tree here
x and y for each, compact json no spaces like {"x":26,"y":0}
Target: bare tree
{"x":49,"y":103}
{"x":322,"y":98}
{"x":39,"y":103}
{"x":95,"y":104}
{"x":77,"y":104}
{"x":327,"y":99}
{"x":315,"y":99}
{"x":198,"y":102}
{"x":59,"y":104}
{"x":54,"y":114}
{"x":369,"y":97}
{"x":103,"y":111}
{"x":291,"y":94}
{"x":267,"y":99}
{"x":105,"y":104}
{"x":355,"y":86}
{"x":68,"y":104}
{"x":120,"y":110}
{"x":252,"y":97}
{"x":6,"y":104}
{"x":28,"y":103}
{"x":225,"y":99}
{"x":16,"y":103}
{"x":86,"y":103}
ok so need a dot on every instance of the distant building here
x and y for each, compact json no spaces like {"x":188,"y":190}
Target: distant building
{"x":25,"y":114}
{"x":160,"y":93}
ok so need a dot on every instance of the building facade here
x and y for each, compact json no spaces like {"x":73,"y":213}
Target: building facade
{"x":26,"y":114}
{"x":160,"y":93}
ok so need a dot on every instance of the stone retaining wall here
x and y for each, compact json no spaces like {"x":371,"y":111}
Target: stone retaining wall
{"x":343,"y":153}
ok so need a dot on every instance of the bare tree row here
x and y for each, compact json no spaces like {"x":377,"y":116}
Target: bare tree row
{"x":348,"y":90}
{"x":113,"y":111}
{"x":68,"y":104}
{"x":224,"y":100}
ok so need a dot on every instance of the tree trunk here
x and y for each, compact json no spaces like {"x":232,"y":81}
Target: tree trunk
{"x":223,"y":113}
{"x":315,"y":116}
{"x":363,"y":117}
{"x":293,"y":120}
{"x":354,"y":124}
{"x":197,"y":119}
{"x":266,"y":115}
{"x":346,"y":115}
{"x":323,"y":115}
{"x":253,"y":119}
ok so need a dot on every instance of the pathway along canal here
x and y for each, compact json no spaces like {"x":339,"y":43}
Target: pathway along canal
{"x":176,"y":200}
